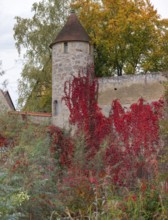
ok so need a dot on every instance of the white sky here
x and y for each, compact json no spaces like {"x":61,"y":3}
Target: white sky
{"x":11,"y":62}
{"x":8,"y":53}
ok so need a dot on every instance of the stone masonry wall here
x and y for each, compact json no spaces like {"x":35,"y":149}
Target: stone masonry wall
{"x":64,"y":65}
{"x":128,"y":89}
{"x":34,"y":117}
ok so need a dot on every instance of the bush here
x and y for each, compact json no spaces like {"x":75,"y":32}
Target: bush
{"x":108,"y":170}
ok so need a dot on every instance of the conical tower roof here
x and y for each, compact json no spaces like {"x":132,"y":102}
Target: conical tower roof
{"x":72,"y":31}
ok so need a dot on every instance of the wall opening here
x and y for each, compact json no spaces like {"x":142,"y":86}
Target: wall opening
{"x":90,"y":49}
{"x":56,"y":107}
{"x":65,"y":47}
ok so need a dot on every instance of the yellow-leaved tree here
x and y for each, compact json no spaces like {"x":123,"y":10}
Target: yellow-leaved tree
{"x":128,"y":35}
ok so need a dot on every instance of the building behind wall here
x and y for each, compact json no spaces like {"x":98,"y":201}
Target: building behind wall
{"x":6,"y":103}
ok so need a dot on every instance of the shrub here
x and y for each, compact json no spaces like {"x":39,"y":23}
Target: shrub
{"x":102,"y":172}
{"x":131,"y":136}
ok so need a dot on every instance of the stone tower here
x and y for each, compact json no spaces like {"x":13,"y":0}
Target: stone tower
{"x":71,"y":52}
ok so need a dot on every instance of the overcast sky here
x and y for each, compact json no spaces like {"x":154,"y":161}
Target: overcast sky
{"x":8,"y":54}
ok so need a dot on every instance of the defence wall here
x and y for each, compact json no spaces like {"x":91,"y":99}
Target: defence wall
{"x":128,"y":89}
{"x":34,"y":117}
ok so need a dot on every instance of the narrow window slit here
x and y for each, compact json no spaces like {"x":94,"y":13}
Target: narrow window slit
{"x":56,"y":107}
{"x":65,"y":47}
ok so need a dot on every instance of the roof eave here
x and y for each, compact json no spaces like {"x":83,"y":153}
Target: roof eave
{"x":65,"y":41}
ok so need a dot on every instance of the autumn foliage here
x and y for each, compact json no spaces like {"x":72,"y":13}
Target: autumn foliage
{"x":61,"y":147}
{"x":106,"y":170}
{"x":128,"y":35}
{"x":131,"y":135}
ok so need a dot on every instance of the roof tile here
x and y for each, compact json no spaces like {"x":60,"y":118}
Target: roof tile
{"x":72,"y":31}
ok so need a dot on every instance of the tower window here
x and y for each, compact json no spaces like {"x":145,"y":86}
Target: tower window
{"x":90,"y":49}
{"x":65,"y":47}
{"x":56,"y":110}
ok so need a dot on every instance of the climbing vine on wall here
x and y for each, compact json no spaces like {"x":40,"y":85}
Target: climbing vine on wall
{"x":131,"y":135}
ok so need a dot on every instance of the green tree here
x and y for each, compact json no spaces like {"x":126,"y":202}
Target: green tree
{"x":35,"y":35}
{"x":128,"y":35}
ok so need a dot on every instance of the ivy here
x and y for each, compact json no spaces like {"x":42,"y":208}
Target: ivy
{"x":131,"y":135}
